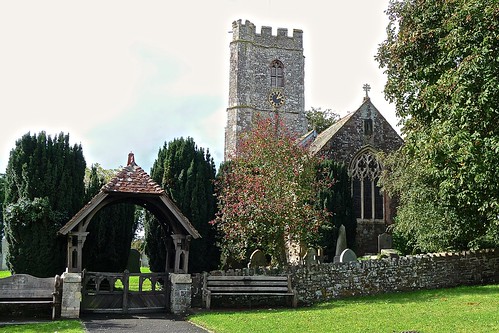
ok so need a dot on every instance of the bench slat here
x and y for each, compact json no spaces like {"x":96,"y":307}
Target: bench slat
{"x":260,"y":285}
{"x":246,"y":283}
{"x":248,"y":278}
{"x":27,"y":301}
{"x":252,"y":294}
{"x":248,"y":289}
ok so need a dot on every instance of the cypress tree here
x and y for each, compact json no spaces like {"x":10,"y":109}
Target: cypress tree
{"x":337,"y":199}
{"x":2,"y":200}
{"x":186,"y":172}
{"x":44,"y":189}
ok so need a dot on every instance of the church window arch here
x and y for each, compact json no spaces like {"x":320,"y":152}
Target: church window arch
{"x":368,"y":201}
{"x":277,"y":74}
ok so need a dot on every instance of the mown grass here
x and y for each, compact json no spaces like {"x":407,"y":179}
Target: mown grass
{"x":59,"y":326}
{"x":4,"y":274}
{"x":463,"y":309}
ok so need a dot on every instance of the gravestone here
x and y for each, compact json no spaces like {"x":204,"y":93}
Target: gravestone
{"x":257,"y":259}
{"x":133,"y":264}
{"x":341,"y":243}
{"x":348,"y":256}
{"x":310,"y":257}
{"x":3,"y":254}
{"x":385,"y":241}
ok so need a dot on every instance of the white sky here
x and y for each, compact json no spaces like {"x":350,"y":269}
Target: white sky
{"x":123,"y":76}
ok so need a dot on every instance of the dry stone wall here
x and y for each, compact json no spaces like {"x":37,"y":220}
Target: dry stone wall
{"x":322,"y":282}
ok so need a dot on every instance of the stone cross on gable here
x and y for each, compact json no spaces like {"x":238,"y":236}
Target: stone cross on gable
{"x":366,"y":88}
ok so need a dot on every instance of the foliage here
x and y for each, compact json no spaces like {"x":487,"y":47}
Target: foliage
{"x":111,"y":230}
{"x":442,"y":66}
{"x":462,"y":309}
{"x":267,"y":195}
{"x":44,"y":189}
{"x":186,"y":172}
{"x":337,"y":200}
{"x":319,"y":119}
{"x":2,"y":199}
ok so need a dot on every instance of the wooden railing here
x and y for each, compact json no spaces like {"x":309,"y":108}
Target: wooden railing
{"x":125,"y":292}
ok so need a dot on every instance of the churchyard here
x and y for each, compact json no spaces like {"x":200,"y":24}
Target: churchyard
{"x":463,"y":309}
{"x":443,"y":310}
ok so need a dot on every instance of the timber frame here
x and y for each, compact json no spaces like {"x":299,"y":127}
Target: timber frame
{"x":133,"y":185}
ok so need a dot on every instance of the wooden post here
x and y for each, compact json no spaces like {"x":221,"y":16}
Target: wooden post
{"x":126,"y":288}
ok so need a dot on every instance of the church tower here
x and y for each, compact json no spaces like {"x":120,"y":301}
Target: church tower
{"x":266,"y":76}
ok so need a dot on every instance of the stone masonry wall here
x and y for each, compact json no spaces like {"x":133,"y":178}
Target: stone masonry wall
{"x":324,"y":282}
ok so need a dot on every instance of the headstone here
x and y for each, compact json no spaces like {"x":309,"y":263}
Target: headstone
{"x":341,"y":243}
{"x":3,"y":255}
{"x":257,"y":259}
{"x":348,"y":256}
{"x":310,"y":257}
{"x":144,"y":260}
{"x":133,"y":264}
{"x":385,"y":241}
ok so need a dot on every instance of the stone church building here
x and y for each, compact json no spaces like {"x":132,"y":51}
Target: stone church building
{"x":267,"y":76}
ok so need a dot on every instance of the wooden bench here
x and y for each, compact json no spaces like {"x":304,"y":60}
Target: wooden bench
{"x":247,"y":286}
{"x":27,"y":289}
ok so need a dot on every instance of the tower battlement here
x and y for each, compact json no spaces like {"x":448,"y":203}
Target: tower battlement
{"x":247,"y":32}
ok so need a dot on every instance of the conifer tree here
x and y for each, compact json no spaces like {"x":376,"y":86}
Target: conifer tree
{"x":186,"y":172}
{"x":44,"y":189}
{"x":337,"y":200}
{"x":2,"y":199}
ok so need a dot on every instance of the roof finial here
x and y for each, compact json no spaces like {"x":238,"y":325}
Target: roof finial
{"x":131,"y":159}
{"x":366,"y":87}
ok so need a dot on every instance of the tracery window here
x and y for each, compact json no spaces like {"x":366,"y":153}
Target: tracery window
{"x":367,"y":197}
{"x":276,"y":74}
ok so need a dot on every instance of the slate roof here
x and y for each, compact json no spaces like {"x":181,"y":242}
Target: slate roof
{"x":327,"y":134}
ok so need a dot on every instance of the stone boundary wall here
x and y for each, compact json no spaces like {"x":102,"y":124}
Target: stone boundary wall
{"x":322,"y":282}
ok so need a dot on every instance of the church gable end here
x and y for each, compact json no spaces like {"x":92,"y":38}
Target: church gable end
{"x":366,"y":127}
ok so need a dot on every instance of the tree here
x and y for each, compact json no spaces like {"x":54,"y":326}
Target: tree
{"x":44,"y":189}
{"x":442,"y":66}
{"x":267,"y":195}
{"x":319,"y":119}
{"x":2,"y":199}
{"x":337,"y":199}
{"x":111,"y":231}
{"x":186,"y":172}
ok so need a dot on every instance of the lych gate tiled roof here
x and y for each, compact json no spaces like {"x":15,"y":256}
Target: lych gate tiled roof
{"x":132,"y":179}
{"x":133,"y":182}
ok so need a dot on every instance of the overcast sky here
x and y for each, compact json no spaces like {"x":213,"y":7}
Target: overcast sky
{"x":123,"y":76}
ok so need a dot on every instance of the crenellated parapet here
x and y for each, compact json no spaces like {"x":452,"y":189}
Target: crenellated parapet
{"x":247,"y":32}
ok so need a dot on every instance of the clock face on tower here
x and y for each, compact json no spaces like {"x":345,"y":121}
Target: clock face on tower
{"x":276,"y":98}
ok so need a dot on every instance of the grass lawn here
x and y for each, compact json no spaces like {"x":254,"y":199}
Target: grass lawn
{"x":59,"y":326}
{"x":4,"y":274}
{"x":463,"y":309}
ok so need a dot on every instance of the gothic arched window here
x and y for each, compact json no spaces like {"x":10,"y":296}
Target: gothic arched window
{"x":276,"y":74}
{"x":367,"y":197}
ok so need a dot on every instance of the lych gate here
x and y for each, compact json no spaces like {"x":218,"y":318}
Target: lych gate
{"x":131,"y":185}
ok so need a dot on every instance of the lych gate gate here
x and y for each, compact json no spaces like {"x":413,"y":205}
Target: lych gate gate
{"x":111,"y":292}
{"x":125,"y":292}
